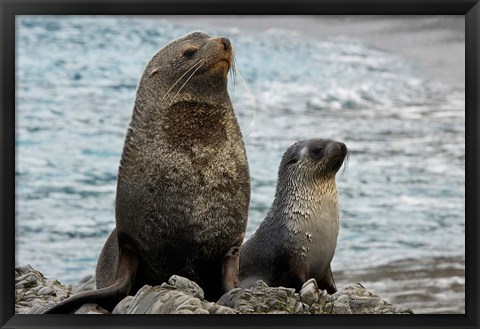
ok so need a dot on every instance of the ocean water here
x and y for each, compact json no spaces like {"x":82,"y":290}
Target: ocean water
{"x":402,"y":193}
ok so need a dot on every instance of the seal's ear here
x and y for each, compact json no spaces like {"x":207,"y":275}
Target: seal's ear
{"x":154,"y":71}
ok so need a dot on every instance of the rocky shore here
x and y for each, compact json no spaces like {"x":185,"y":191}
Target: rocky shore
{"x":35,"y":293}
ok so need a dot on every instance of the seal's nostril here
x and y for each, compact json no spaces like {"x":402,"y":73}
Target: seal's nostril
{"x":226,"y":43}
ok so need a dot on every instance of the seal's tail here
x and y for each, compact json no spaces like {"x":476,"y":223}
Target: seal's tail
{"x":106,"y":297}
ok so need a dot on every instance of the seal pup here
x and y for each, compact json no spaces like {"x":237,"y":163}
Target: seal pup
{"x":297,"y":239}
{"x":183,"y":187}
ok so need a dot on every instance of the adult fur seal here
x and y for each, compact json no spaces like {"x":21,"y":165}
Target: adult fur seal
{"x":297,"y":239}
{"x":183,"y":185}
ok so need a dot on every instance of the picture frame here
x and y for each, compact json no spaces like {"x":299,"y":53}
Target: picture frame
{"x":11,"y":8}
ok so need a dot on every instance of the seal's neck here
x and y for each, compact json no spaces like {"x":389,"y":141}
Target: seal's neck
{"x":185,"y":125}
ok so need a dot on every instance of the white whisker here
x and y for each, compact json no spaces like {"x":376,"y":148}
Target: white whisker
{"x":251,"y":123}
{"x":191,"y":75}
{"x":345,"y":164}
{"x":184,"y":74}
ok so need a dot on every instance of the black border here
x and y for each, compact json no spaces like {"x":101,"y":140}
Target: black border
{"x":10,"y":8}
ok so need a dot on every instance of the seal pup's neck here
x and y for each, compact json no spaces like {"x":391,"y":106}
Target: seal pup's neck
{"x":301,"y":202}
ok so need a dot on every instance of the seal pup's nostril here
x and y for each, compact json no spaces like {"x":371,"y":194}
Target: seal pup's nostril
{"x":226,"y":43}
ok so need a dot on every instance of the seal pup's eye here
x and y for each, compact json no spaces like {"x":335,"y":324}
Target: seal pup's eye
{"x":189,"y":53}
{"x":316,"y":151}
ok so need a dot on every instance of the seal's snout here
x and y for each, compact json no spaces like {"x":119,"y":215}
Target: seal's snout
{"x":226,"y":43}
{"x":220,"y":56}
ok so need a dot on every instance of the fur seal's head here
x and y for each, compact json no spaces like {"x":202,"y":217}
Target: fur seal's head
{"x":194,"y":66}
{"x":312,"y":160}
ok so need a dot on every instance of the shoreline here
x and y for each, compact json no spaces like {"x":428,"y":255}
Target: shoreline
{"x":433,"y":285}
{"x":436,"y":43}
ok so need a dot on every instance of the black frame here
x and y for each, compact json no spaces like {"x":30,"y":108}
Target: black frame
{"x":10,"y":8}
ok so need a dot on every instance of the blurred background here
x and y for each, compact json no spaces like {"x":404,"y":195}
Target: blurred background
{"x":390,"y":87}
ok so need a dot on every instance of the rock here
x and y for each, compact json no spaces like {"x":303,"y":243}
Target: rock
{"x":85,"y":284}
{"x":35,"y":293}
{"x":178,"y":296}
{"x":91,"y":309}
{"x":123,"y":305}
{"x":357,"y":300}
{"x":45,"y":291}
{"x":402,"y":310}
{"x":261,"y":299}
{"x":187,"y":286}
{"x":309,"y":293}
{"x":341,"y":305}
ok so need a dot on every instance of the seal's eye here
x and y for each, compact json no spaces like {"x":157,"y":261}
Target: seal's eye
{"x":189,"y":53}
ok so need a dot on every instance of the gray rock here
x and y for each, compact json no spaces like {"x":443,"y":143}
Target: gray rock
{"x":87,"y":283}
{"x":45,"y":291}
{"x":341,"y":305}
{"x":123,"y":305}
{"x":34,"y":293}
{"x":357,"y":300}
{"x":178,"y":296}
{"x":309,"y":293}
{"x":91,"y":309}
{"x":402,"y":310}
{"x":36,"y":309}
{"x":261,"y":299}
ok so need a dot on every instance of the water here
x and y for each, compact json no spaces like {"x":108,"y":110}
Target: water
{"x":402,"y":193}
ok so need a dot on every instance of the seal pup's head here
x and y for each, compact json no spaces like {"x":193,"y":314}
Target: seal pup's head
{"x":311,"y":161}
{"x":194,"y":66}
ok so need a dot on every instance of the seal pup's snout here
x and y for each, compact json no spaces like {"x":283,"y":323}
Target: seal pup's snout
{"x":330,"y":154}
{"x":343,"y":148}
{"x":339,"y":152}
{"x":337,"y":148}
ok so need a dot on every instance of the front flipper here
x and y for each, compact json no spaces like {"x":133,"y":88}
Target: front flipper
{"x":106,"y":297}
{"x":230,"y":269}
{"x":326,"y":282}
